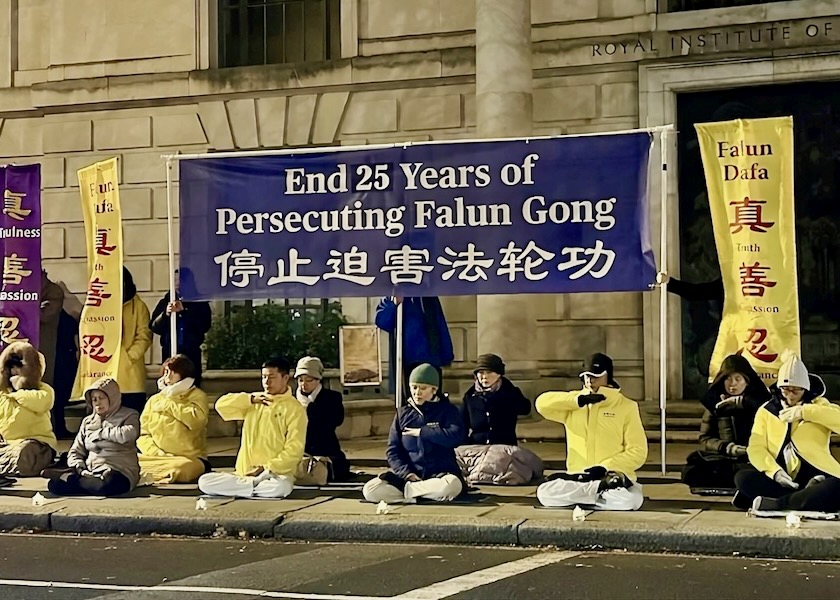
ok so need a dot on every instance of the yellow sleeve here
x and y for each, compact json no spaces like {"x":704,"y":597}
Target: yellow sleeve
{"x":234,"y":407}
{"x":635,"y":452}
{"x":555,"y":406}
{"x":192,"y":413}
{"x":38,"y":401}
{"x":286,"y":462}
{"x":757,"y":450}
{"x":143,"y":335}
{"x":825,"y":414}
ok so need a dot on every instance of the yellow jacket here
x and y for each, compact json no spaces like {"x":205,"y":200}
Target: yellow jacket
{"x":273,"y":436}
{"x":136,"y":339}
{"x":810,"y":436}
{"x":175,"y":425}
{"x":25,"y":415}
{"x":609,"y":433}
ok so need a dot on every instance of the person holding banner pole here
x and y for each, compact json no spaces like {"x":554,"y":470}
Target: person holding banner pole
{"x":425,"y":335}
{"x":136,"y":339}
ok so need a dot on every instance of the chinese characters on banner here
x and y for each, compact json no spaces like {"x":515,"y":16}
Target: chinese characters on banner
{"x":749,"y":176}
{"x":20,"y":238}
{"x":507,"y":217}
{"x":100,"y":328}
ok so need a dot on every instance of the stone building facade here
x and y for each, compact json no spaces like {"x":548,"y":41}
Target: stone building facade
{"x":84,"y":80}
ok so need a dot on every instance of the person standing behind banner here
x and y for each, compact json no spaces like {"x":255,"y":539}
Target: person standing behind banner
{"x":52,"y":298}
{"x":425,"y":335}
{"x":66,"y":359}
{"x":136,"y":339}
{"x":193,"y":320}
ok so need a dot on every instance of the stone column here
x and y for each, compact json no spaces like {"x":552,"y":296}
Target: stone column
{"x":503,"y":86}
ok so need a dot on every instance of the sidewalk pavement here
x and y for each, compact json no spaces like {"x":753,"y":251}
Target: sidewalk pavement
{"x":671,"y":520}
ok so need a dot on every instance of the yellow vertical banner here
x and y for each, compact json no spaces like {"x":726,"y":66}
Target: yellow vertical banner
{"x":100,"y":327}
{"x":749,"y":177}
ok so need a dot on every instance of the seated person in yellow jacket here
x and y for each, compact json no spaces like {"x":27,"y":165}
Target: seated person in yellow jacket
{"x":27,"y":441}
{"x":605,"y":441}
{"x":173,"y":427}
{"x":792,"y":465}
{"x":273,"y":438}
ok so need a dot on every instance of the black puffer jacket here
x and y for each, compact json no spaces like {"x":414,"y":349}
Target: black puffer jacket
{"x":490,"y":418}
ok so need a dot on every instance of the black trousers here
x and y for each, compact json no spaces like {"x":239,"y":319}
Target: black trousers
{"x":113,"y":484}
{"x":706,"y":470}
{"x":822,"y":497}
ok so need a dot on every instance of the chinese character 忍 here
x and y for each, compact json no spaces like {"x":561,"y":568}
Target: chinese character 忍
{"x":9,"y":330}
{"x":757,"y":347}
{"x":92,"y":346}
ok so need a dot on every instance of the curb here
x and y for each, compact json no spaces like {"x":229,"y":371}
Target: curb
{"x":395,"y":528}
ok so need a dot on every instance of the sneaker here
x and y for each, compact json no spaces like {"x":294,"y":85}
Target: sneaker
{"x":764,"y":504}
{"x":7,"y":481}
{"x":739,"y":500}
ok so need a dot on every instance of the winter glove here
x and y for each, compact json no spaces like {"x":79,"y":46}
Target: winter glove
{"x":793,"y":414}
{"x":732,"y":403}
{"x":614,"y":480}
{"x":590,"y":399}
{"x":784,"y":480}
{"x":735,"y":450}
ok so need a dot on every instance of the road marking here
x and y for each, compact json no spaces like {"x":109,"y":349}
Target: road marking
{"x":180,"y":588}
{"x":470,"y":581}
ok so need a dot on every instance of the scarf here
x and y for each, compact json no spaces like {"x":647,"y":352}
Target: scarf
{"x":176,"y":389}
{"x":491,"y":390}
{"x":307,"y":399}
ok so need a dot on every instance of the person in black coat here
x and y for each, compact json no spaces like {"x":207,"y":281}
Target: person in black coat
{"x":730,"y":404}
{"x":193,"y":320}
{"x":491,"y":407}
{"x":325,"y":414}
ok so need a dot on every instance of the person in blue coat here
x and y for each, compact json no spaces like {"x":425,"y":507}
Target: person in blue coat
{"x":421,"y":447}
{"x":426,"y":336}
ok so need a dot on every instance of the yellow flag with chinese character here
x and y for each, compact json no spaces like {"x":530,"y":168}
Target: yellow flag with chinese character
{"x":749,"y":176}
{"x":100,"y":327}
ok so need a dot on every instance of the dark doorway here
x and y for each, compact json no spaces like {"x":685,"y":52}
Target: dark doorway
{"x":815,"y":108}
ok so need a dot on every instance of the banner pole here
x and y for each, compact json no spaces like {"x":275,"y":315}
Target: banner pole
{"x":173,"y":325}
{"x":664,"y":139}
{"x":398,"y":367}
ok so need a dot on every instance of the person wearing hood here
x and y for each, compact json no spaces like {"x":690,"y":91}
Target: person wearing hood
{"x":103,"y":458}
{"x":136,"y":339}
{"x":192,"y":322}
{"x":27,"y":441}
{"x":730,"y":405}
{"x":491,"y":407}
{"x":791,"y":465}
{"x":606,"y":443}
{"x":426,"y":337}
{"x":173,"y":427}
{"x":273,"y":438}
{"x":325,"y":413}
{"x":421,"y":447}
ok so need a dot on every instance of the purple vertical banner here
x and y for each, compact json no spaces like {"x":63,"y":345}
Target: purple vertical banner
{"x":20,"y":239}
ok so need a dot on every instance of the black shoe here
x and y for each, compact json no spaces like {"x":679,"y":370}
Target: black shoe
{"x":713,"y":491}
{"x":7,"y":481}
{"x":614,"y":480}
{"x":763,"y":503}
{"x":393,"y":479}
{"x":815,"y":480}
{"x":56,"y":472}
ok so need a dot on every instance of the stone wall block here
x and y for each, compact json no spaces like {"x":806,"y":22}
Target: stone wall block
{"x":178,"y":130}
{"x":370,"y":116}
{"x":569,"y":342}
{"x":328,"y":115}
{"x":110,"y":134}
{"x":61,"y":207}
{"x":625,"y":342}
{"x":52,"y":172}
{"x":136,"y":203}
{"x":147,"y":239}
{"x":619,"y":100}
{"x":214,"y":120}
{"x":144,"y":168}
{"x":271,"y":121}
{"x":440,"y":112}
{"x":68,"y":136}
{"x":243,"y":122}
{"x":561,"y":11}
{"x":565,"y":103}
{"x":52,"y":242}
{"x":301,"y":112}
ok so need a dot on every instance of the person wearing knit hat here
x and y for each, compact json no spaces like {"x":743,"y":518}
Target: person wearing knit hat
{"x":325,"y":414}
{"x":730,"y":405}
{"x":421,"y":447}
{"x":490,"y":410}
{"x":602,"y":474}
{"x":791,"y":465}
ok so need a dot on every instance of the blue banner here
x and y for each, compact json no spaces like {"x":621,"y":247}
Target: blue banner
{"x":505,"y":217}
